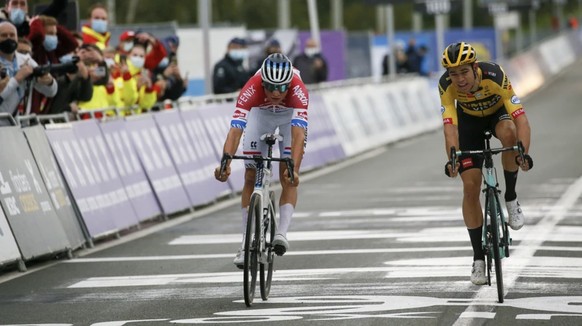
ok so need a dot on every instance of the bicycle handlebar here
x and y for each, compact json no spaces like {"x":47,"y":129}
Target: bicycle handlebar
{"x":288,"y":162}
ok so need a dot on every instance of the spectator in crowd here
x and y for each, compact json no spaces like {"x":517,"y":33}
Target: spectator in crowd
{"x":311,"y":63}
{"x":167,"y":75}
{"x":137,"y":92}
{"x":230,"y":75}
{"x":401,"y":60}
{"x":79,"y":37}
{"x":45,"y":35}
{"x":97,"y":30}
{"x":72,"y":88}
{"x":17,"y":69}
{"x":105,"y":95}
{"x":24,"y":46}
{"x":16,"y":11}
{"x":273,"y":46}
{"x":155,"y":50}
{"x":109,"y":55}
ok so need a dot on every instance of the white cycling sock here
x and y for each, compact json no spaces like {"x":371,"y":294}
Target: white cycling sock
{"x":286,"y":212}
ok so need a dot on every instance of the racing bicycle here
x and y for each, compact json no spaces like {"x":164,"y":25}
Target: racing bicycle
{"x":261,"y":224}
{"x":495,"y":238}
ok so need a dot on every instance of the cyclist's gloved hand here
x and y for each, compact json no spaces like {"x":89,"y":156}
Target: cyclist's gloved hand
{"x":449,"y":169}
{"x":222,"y":177}
{"x":527,"y":165}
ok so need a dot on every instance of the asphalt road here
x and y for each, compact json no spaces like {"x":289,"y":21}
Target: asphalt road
{"x":375,"y":241}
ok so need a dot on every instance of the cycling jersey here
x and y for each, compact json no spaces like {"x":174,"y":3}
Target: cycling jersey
{"x":494,"y":92}
{"x":253,"y":110}
{"x":252,"y":96}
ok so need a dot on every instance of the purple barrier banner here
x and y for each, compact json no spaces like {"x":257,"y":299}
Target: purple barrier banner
{"x":323,"y":145}
{"x":205,"y":155}
{"x":139,"y":191}
{"x":8,"y":248}
{"x":25,"y":199}
{"x":111,"y":194}
{"x":157,"y":163}
{"x":55,"y":184}
{"x":76,"y":172}
{"x":216,"y":120}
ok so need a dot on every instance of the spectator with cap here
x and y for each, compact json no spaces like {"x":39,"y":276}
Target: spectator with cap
{"x":97,"y":30}
{"x":155,"y":50}
{"x":273,"y":46}
{"x":230,"y":75}
{"x":311,"y":63}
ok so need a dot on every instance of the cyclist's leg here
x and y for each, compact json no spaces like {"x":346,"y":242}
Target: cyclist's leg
{"x":505,"y":131}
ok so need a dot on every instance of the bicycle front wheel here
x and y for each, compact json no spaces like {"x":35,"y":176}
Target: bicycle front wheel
{"x":251,"y":248}
{"x":493,"y":214}
{"x":269,"y":231}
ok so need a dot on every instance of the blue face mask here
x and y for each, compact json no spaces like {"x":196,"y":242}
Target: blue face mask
{"x":66,"y":58}
{"x":99,"y":25}
{"x":17,"y":16}
{"x":50,"y":42}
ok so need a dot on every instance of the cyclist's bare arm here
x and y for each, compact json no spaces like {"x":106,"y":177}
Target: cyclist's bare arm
{"x":230,"y":147}
{"x":297,"y":149}
{"x":451,"y":139}
{"x":523,"y":134}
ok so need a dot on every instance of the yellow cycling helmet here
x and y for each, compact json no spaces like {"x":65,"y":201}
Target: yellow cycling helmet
{"x":458,"y":54}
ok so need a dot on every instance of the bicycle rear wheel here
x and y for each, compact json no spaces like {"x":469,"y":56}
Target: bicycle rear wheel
{"x":493,"y":212}
{"x":251,"y":245}
{"x":269,"y":231}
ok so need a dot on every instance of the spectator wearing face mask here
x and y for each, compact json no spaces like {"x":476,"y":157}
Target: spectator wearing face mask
{"x":230,"y":75}
{"x":155,"y":49}
{"x":50,"y":43}
{"x":137,"y":92}
{"x":16,"y":11}
{"x":311,"y":63}
{"x":97,"y":30}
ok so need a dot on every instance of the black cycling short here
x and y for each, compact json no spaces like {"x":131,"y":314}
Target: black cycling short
{"x":471,"y":130}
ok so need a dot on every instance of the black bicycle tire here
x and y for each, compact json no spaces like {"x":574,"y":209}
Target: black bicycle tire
{"x":270,"y":234}
{"x":493,"y":211}
{"x":250,"y":261}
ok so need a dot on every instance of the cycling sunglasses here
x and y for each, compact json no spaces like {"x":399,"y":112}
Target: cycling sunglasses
{"x":272,"y":87}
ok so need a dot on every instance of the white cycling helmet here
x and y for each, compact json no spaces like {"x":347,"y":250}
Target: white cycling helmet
{"x":277,"y":69}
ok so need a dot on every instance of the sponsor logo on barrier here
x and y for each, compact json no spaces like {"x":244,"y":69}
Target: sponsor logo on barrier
{"x":4,"y":186}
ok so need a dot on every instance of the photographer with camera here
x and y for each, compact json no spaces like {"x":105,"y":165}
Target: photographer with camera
{"x":19,"y":68}
{"x":74,"y":86}
{"x":51,"y":44}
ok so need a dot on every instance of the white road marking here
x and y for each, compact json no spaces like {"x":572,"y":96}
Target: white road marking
{"x":477,"y":314}
{"x":544,"y":230}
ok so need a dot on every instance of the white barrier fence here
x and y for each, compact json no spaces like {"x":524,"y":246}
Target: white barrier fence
{"x":162,"y":163}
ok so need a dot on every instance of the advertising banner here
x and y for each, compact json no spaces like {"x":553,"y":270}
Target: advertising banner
{"x":323,"y":145}
{"x":8,"y":248}
{"x":157,"y":163}
{"x":56,"y":187}
{"x":130,"y":170}
{"x":205,"y":156}
{"x":216,"y":118}
{"x":25,"y":199}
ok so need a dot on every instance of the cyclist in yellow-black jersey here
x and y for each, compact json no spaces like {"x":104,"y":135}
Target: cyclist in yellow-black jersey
{"x":477,"y":96}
